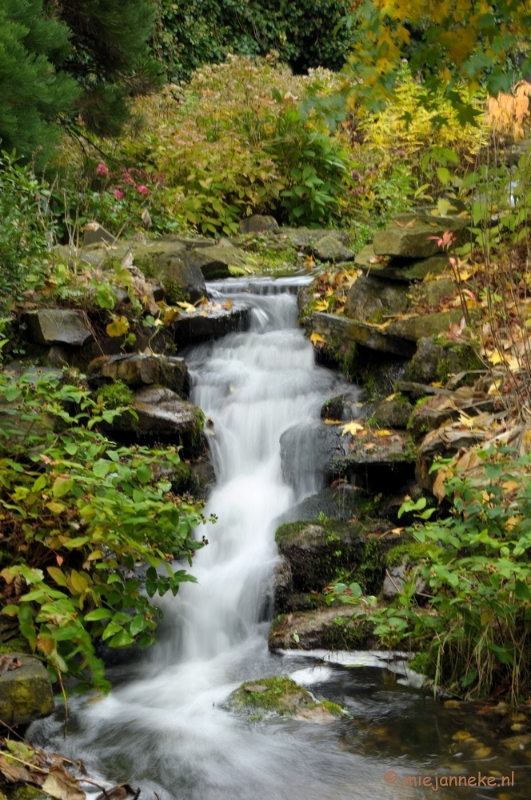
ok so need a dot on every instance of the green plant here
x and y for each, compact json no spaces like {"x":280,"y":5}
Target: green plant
{"x":80,"y":516}
{"x":25,"y":230}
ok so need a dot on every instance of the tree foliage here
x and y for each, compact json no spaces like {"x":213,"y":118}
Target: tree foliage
{"x":33,"y":92}
{"x":195,"y":32}
{"x":445,"y":41}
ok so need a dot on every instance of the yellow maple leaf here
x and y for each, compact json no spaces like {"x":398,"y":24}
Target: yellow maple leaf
{"x":321,"y":305}
{"x":351,"y":427}
{"x":117,"y":327}
{"x":316,"y":339}
{"x":188,"y":308}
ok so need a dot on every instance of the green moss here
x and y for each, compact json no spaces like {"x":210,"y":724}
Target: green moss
{"x":116,"y":395}
{"x":335,"y":709}
{"x":18,"y":644}
{"x":415,"y":552}
{"x":174,"y":292}
{"x":279,"y":695}
{"x":25,"y":792}
{"x":370,"y":574}
{"x":182,"y":479}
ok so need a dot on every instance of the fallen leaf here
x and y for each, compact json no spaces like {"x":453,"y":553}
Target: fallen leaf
{"x":188,"y":308}
{"x":351,"y":427}
{"x":61,"y":785}
{"x":382,"y":432}
{"x":228,"y":304}
{"x":317,"y":339}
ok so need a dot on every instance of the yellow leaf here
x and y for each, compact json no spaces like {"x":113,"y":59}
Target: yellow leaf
{"x":169,"y":315}
{"x":187,"y":307}
{"x":55,"y":508}
{"x":510,"y":486}
{"x":118,"y":327}
{"x":315,"y":339}
{"x":383,"y":432}
{"x":495,"y":358}
{"x":332,"y":422}
{"x":351,"y":427}
{"x":321,"y":305}
{"x":391,"y":397}
{"x":462,"y":736}
{"x":228,"y":304}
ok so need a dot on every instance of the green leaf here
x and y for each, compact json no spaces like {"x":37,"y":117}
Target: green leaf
{"x":144,"y":474}
{"x":79,"y":541}
{"x":58,"y":576}
{"x":101,"y":468}
{"x":97,"y":614}
{"x":111,"y":630}
{"x":62,"y":486}
{"x":122,"y":639}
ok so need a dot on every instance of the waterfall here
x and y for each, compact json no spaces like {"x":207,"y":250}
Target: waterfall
{"x":164,"y":726}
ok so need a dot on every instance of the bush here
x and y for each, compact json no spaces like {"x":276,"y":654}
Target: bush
{"x":80,"y":517}
{"x":196,"y":32}
{"x":25,"y":230}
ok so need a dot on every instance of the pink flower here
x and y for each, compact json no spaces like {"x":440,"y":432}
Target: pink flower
{"x":119,"y":194}
{"x":102,"y":169}
{"x":142,"y":189}
{"x":445,"y":241}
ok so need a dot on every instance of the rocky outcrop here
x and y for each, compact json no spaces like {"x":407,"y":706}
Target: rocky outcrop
{"x":25,"y":690}
{"x":399,"y":269}
{"x":321,"y":629}
{"x":315,"y":551}
{"x":258,"y":223}
{"x":161,"y":415}
{"x":415,"y":235}
{"x":50,"y":326}
{"x":140,"y":369}
{"x":218,"y":260}
{"x":281,"y":696}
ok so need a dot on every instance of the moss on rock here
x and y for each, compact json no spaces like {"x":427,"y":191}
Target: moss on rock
{"x":279,"y":695}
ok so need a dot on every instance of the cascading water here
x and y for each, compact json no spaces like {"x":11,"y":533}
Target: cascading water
{"x":164,"y":727}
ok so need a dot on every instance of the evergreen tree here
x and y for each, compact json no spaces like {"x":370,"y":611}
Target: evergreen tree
{"x":109,"y":56}
{"x":32,"y":92}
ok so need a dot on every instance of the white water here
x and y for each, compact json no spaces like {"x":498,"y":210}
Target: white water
{"x":165,"y":729}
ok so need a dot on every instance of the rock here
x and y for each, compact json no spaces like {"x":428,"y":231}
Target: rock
{"x":281,"y":695}
{"x":393,"y":413}
{"x":332,"y":327}
{"x":408,"y":236}
{"x":258,"y":223}
{"x":203,"y":478}
{"x":444,"y":441}
{"x":307,"y":238}
{"x":319,"y":630}
{"x":50,"y":326}
{"x":215,"y":262}
{"x":333,"y":409}
{"x":331,"y":248}
{"x":397,"y":576}
{"x":138,"y":369}
{"x":282,"y":586}
{"x":341,"y":502}
{"x":431,"y":293}
{"x":306,"y":450}
{"x":171,"y":263}
{"x":210,"y":323}
{"x":162,"y":416}
{"x":372,"y":450}
{"x":373,"y":300}
{"x":96,"y":234}
{"x":59,"y":356}
{"x":399,"y":269}
{"x":438,"y":362}
{"x":316,"y":551}
{"x":25,"y":693}
{"x":416,"y":328}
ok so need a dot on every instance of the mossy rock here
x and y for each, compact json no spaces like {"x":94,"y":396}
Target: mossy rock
{"x":24,"y":792}
{"x":25,"y":693}
{"x":281,"y":696}
{"x":410,"y":553}
{"x":317,"y":552}
{"x":434,"y":361}
{"x":322,"y":629}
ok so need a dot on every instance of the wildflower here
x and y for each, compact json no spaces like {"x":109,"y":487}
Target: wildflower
{"x":119,"y":194}
{"x":102,"y":169}
{"x":142,"y":189}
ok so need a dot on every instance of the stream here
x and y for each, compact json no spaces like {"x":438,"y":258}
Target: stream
{"x":163,"y":727}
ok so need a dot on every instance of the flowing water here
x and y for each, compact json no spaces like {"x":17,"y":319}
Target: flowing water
{"x":164,"y":727}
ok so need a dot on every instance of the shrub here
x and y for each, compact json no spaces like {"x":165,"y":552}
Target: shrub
{"x":80,"y":515}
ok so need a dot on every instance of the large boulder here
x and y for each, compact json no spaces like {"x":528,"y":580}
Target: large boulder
{"x":258,"y":223}
{"x":49,"y":326}
{"x":217,"y":261}
{"x":415,"y":235}
{"x":25,"y":690}
{"x":399,"y":269}
{"x":322,"y":629}
{"x":316,"y":551}
{"x":332,"y":248}
{"x":438,"y":362}
{"x":161,"y":415}
{"x":342,"y":329}
{"x":371,"y":299}
{"x":141,"y":369}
